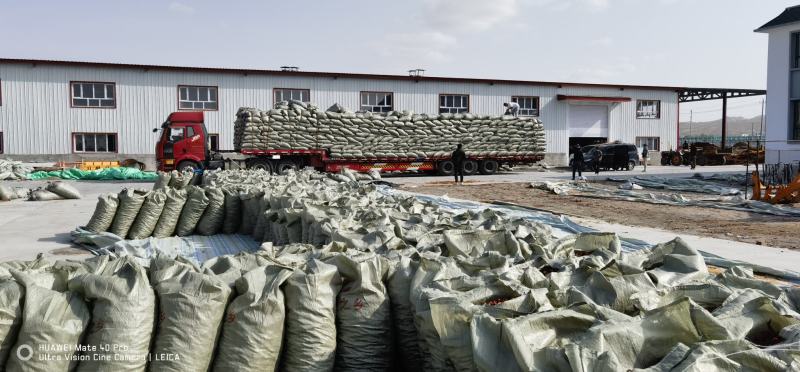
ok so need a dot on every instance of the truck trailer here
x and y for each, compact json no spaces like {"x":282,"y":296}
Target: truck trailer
{"x":183,"y":144}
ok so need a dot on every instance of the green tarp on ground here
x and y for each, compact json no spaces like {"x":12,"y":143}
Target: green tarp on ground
{"x":95,"y":175}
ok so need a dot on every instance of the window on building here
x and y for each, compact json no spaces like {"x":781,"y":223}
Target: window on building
{"x":528,"y":106}
{"x":1,"y":92}
{"x":794,"y":89}
{"x":94,"y":142}
{"x":648,"y":109}
{"x":453,"y":103}
{"x":96,"y":95}
{"x":213,"y":141}
{"x":1,"y":143}
{"x":197,"y":98}
{"x":286,"y":94}
{"x":377,"y":101}
{"x":653,"y":143}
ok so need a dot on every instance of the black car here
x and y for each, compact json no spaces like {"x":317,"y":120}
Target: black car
{"x":616,"y":156}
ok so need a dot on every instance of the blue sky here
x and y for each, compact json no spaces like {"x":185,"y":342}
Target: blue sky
{"x":708,"y":43}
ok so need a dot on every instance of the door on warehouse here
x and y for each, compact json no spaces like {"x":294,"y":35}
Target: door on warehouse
{"x":588,"y":124}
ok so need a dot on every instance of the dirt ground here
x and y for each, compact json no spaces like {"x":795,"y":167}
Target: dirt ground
{"x":746,"y":227}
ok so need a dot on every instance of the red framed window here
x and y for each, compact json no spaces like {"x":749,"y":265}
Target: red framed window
{"x":195,"y":97}
{"x":94,"y":142}
{"x":87,"y":94}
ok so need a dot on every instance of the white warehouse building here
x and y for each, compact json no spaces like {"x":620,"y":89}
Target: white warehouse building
{"x":72,"y":111}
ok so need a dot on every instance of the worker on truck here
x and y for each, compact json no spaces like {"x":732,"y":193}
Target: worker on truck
{"x":458,"y":158}
{"x":512,"y":108}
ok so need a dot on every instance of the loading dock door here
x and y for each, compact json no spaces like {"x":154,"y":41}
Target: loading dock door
{"x":588,"y":121}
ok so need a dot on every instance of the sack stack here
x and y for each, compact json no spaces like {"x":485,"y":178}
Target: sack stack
{"x":397,"y":135}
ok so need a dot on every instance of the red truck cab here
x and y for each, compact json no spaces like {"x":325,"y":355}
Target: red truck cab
{"x":183,"y":142}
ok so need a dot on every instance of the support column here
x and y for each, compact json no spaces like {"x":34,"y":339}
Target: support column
{"x":724,"y":118}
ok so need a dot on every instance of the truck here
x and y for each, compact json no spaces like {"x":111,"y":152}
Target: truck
{"x":183,"y":145}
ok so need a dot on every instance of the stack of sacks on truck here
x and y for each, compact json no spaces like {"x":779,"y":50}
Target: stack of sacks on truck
{"x":396,"y":135}
{"x":350,"y":278}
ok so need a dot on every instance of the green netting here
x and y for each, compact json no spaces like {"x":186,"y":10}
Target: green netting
{"x":95,"y":175}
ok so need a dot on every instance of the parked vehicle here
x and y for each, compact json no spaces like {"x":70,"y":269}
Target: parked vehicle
{"x":611,"y":153}
{"x":183,"y":145}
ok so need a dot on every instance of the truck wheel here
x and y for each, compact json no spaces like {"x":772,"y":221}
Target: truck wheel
{"x":631,"y":165}
{"x":260,"y":164}
{"x":488,"y":166}
{"x":676,"y":160}
{"x":470,"y":167}
{"x":445,"y":168}
{"x":702,"y":161}
{"x":188,"y":166}
{"x":284,"y":166}
{"x":664,"y":160}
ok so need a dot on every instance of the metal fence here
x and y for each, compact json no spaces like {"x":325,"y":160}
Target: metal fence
{"x":729,"y":140}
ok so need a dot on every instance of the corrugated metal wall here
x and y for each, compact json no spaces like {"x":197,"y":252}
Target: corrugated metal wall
{"x":36,"y":116}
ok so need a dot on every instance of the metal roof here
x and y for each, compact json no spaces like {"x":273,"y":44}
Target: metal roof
{"x":336,"y":75}
{"x":789,"y":15}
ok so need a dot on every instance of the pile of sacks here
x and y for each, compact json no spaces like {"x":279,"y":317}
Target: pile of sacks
{"x":13,"y":170}
{"x":396,"y":135}
{"x":55,"y":190}
{"x":350,"y":278}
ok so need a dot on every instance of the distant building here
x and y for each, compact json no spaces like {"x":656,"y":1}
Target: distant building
{"x":59,"y":110}
{"x":783,"y":87}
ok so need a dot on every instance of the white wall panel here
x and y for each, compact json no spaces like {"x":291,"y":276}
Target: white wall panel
{"x":36,"y":116}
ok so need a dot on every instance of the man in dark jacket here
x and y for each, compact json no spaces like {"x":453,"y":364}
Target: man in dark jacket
{"x":458,"y":158}
{"x":577,"y":162}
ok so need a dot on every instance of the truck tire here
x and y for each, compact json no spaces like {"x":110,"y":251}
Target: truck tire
{"x":188,"y":166}
{"x":631,"y":165}
{"x":260,"y":163}
{"x":676,"y":160}
{"x":701,"y":160}
{"x":664,"y":160}
{"x":284,"y":166}
{"x":445,"y":168}
{"x":488,"y":166}
{"x":470,"y":167}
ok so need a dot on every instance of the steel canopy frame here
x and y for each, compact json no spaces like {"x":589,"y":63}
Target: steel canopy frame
{"x":708,"y":94}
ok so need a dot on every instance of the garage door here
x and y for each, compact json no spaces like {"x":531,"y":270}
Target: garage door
{"x":588,"y":121}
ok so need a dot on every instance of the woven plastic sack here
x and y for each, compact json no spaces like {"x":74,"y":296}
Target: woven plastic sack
{"x":162,"y":182}
{"x":191,"y":307}
{"x":43,"y":195}
{"x":51,"y":315}
{"x":233,"y":212}
{"x":196,"y":204}
{"x":148,"y":215}
{"x":310,"y":295}
{"x":252,"y":332}
{"x":165,"y":227}
{"x":11,"y":300}
{"x":130,"y":201}
{"x":123,"y":313}
{"x":363,"y":313}
{"x":179,"y":180}
{"x":251,"y":202}
{"x":63,"y":190}
{"x":214,"y":215}
{"x":229,"y":268}
{"x":398,"y":285}
{"x":104,"y":213}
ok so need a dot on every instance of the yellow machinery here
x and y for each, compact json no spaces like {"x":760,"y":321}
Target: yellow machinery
{"x":776,"y":194}
{"x":95,"y":165}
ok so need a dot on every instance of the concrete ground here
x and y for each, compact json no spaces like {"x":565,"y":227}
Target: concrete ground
{"x":28,"y":228}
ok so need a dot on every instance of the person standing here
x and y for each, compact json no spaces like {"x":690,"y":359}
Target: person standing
{"x":577,"y":162}
{"x":458,"y":158}
{"x":644,"y":157}
{"x":693,"y":155}
{"x":512,"y":108}
{"x":597,"y":158}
